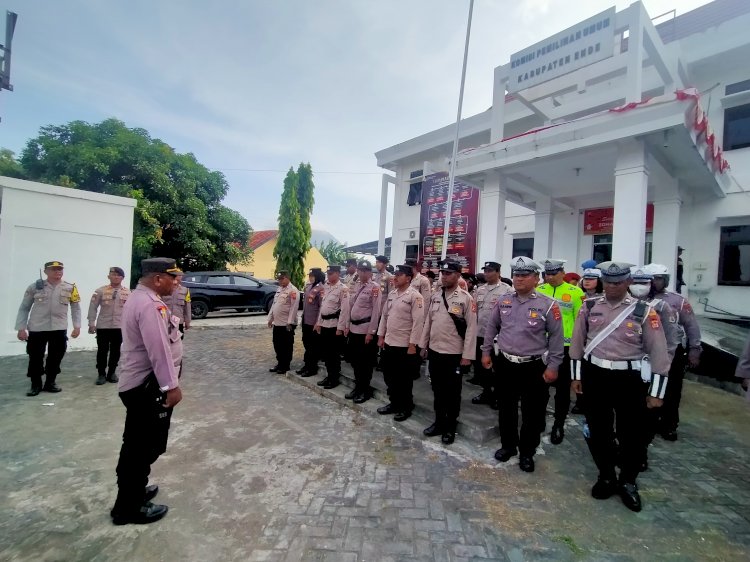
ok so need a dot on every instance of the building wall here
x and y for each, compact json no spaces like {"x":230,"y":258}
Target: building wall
{"x":263,"y":264}
{"x":88,"y":232}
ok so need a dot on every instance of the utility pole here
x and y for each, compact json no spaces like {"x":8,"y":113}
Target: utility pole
{"x":5,"y":50}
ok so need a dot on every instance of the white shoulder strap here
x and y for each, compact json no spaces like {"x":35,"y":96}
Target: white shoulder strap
{"x":601,"y":336}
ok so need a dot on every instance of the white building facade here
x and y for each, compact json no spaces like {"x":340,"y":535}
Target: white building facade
{"x":88,"y":232}
{"x":613,"y":139}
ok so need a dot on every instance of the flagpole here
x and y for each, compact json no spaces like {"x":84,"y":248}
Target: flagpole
{"x":452,"y":173}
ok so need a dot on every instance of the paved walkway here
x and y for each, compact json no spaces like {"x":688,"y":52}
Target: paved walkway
{"x":260,"y":468}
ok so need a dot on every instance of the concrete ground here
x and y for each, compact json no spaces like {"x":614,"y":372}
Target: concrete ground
{"x":261,"y":468}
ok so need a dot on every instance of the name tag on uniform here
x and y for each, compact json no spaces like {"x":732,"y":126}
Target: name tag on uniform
{"x":533,"y":314}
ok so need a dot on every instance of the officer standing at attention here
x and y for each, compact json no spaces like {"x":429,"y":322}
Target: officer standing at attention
{"x":449,"y":341}
{"x":611,"y":338}
{"x":420,"y":282}
{"x":149,"y":389}
{"x":313,"y":296}
{"x":108,"y":300}
{"x":362,"y":331}
{"x":382,"y":276}
{"x":351,"y":278}
{"x":398,"y":336}
{"x":179,"y":303}
{"x":333,"y":318}
{"x":487,"y":295}
{"x":687,"y":324}
{"x":569,"y":298}
{"x":283,"y":319}
{"x":528,"y":326}
{"x":42,"y":322}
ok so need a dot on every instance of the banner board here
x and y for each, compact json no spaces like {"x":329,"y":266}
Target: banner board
{"x":600,"y":221}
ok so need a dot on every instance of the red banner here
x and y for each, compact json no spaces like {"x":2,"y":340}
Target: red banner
{"x":462,"y":236}
{"x":599,"y":221}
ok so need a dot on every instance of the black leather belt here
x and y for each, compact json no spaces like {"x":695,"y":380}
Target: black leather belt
{"x":331,"y":316}
{"x":362,"y":321}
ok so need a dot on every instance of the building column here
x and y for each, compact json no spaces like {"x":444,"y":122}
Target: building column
{"x":631,"y":198}
{"x":498,"y":105}
{"x":384,"y":211}
{"x":491,"y":220}
{"x":543,"y":228}
{"x":666,"y":226}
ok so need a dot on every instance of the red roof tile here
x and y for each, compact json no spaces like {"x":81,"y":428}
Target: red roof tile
{"x":260,"y":237}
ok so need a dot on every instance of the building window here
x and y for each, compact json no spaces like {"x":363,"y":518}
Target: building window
{"x":737,"y":127}
{"x":415,"y":194}
{"x":412,"y":251}
{"x":602,"y":247}
{"x":734,"y":255}
{"x":523,"y":247}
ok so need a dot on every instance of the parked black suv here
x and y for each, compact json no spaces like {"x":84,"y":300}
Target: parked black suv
{"x":215,"y":290}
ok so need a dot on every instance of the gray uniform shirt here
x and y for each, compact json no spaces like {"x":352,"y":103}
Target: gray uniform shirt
{"x":179,"y":304}
{"x":668,"y":318}
{"x":687,"y":323}
{"x":335,"y":298}
{"x":46,"y":309}
{"x":311,"y":306}
{"x":285,"y":306}
{"x":486,"y":296}
{"x":439,"y":332}
{"x":365,"y":303}
{"x":403,"y":316}
{"x":108,"y":301}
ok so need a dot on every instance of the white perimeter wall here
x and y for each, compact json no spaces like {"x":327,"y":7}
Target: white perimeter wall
{"x":88,"y":232}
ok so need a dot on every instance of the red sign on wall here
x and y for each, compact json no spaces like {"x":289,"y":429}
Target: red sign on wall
{"x":599,"y":221}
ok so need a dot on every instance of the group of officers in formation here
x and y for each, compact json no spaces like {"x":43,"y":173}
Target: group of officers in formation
{"x":619,"y":340}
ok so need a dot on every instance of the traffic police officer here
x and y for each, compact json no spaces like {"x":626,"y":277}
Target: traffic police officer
{"x":669,"y":414}
{"x":449,"y":341}
{"x":42,"y":322}
{"x":149,"y":388}
{"x":179,"y":303}
{"x":351,"y":278}
{"x":611,"y":339}
{"x":364,"y":315}
{"x":487,"y":295}
{"x":569,"y":298}
{"x":313,"y":296}
{"x":332,"y":319}
{"x":108,"y":301}
{"x":528,"y":327}
{"x":398,"y":336}
{"x":283,"y":319}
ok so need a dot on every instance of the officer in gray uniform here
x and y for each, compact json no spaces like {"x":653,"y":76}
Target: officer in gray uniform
{"x":313,"y":296}
{"x":282,"y":318}
{"x":528,"y":327}
{"x":351,"y":278}
{"x":42,"y":322}
{"x":332,"y":319}
{"x":179,"y":303}
{"x":108,"y":301}
{"x":618,"y":343}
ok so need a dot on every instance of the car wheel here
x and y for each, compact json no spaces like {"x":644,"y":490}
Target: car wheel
{"x":240,"y":309}
{"x":199,"y":309}
{"x":269,"y":303}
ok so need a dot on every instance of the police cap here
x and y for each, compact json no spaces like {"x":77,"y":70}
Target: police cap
{"x":592,"y":273}
{"x":53,"y":263}
{"x":281,"y":274}
{"x":491,"y":265}
{"x":314,"y":270}
{"x":364,"y":265}
{"x":614,"y":271}
{"x":404,"y":270}
{"x":351,"y":261}
{"x":640,"y":273}
{"x":334,"y":269}
{"x":382,"y":259}
{"x":524,"y":266}
{"x":553,"y":266}
{"x":159,"y":265}
{"x":118,"y":270}
{"x":450,"y":265}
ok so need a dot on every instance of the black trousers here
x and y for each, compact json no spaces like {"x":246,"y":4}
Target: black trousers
{"x":615,"y":397}
{"x":55,"y":343}
{"x":562,"y":389}
{"x":445,"y":376}
{"x":363,"y":356}
{"x":283,"y":345}
{"x":486,"y":376}
{"x":400,"y":370}
{"x":522,"y":382}
{"x":108,"y":342}
{"x":669,"y":413}
{"x":330,"y":347}
{"x":144,"y":439}
{"x":311,"y":341}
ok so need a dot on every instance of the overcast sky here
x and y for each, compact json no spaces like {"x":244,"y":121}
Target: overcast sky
{"x":248,"y":85}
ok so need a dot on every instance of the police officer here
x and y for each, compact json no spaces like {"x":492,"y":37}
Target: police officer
{"x":690,"y":332}
{"x":569,"y":298}
{"x":42,"y":322}
{"x":591,"y":283}
{"x":528,"y":326}
{"x":351,"y":278}
{"x":611,"y":339}
{"x":149,"y":388}
{"x":179,"y":303}
{"x":420,"y":282}
{"x":313,"y":296}
{"x":399,"y":333}
{"x":283,"y":319}
{"x":332,"y":319}
{"x":108,"y":301}
{"x":486,"y":296}
{"x":641,"y":289}
{"x":449,"y":341}
{"x":364,"y":315}
{"x":382,"y":276}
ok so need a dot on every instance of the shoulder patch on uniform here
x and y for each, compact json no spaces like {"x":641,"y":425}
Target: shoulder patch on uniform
{"x":293,"y":294}
{"x":187,"y":296}
{"x":473,"y":305}
{"x":74,"y":295}
{"x":556,"y":312}
{"x":687,"y":308}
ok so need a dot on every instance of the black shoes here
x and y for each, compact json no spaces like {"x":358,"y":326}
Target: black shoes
{"x":433,"y":430}
{"x":526,"y":464}
{"x":101,"y":379}
{"x":483,"y":398}
{"x":51,"y":387}
{"x":151,"y":492}
{"x":361,"y":398}
{"x":322,"y":382}
{"x":301,"y":371}
{"x":630,"y":497}
{"x":402,"y":416}
{"x":308,"y":374}
{"x":274,"y":369}
{"x":474,"y":380}
{"x":576,"y":409}
{"x":603,"y":489}
{"x":112,"y":378}
{"x":504,"y":455}
{"x":330,"y":383}
{"x":35,"y":390}
{"x":557,"y":435}
{"x":669,"y":435}
{"x":148,"y":513}
{"x":387,"y":409}
{"x":448,"y":437}
{"x":351,"y":394}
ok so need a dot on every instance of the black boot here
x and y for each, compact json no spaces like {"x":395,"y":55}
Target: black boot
{"x":36,"y":387}
{"x":112,"y":377}
{"x":558,"y":434}
{"x":102,"y":378}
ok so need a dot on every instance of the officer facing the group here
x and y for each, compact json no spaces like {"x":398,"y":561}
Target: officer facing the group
{"x":690,"y":332}
{"x":449,"y":341}
{"x":108,"y":301}
{"x":612,"y":338}
{"x":569,"y":298}
{"x":528,"y":326}
{"x":42,"y":322}
{"x":313,"y":296}
{"x":149,"y":388}
{"x":332,"y":319}
{"x":364,"y":315}
{"x":487,"y":295}
{"x":283,"y":319}
{"x":179,"y":303}
{"x":351,"y":277}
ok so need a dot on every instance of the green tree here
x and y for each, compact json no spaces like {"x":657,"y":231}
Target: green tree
{"x":179,"y":212}
{"x":333,"y":252}
{"x":9,"y":166}
{"x":306,"y":199}
{"x":291,"y":244}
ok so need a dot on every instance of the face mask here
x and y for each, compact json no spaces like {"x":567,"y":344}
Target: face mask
{"x":640,"y":291}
